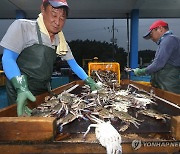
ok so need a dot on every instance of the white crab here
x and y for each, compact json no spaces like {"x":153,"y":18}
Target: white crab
{"x":121,"y":106}
{"x":141,"y":102}
{"x":107,"y":136}
{"x":123,"y":92}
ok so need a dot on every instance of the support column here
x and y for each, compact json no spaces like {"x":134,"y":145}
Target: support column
{"x":134,"y":40}
{"x":20,"y":14}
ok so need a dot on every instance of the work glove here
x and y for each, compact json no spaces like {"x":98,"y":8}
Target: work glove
{"x":23,"y":94}
{"x":140,"y":72}
{"x":93,"y":85}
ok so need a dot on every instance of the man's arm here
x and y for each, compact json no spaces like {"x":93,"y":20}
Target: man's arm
{"x":10,"y":66}
{"x":82,"y":75}
{"x":77,"y":69}
{"x":163,"y":54}
{"x":19,"y":81}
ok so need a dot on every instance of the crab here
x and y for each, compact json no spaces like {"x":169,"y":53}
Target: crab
{"x":141,"y":103}
{"x":125,"y":117}
{"x":154,"y":114}
{"x":107,"y":135}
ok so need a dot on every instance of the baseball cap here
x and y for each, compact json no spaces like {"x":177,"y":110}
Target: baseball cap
{"x":153,"y":26}
{"x":57,"y":3}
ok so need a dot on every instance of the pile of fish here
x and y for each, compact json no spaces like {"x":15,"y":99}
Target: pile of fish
{"x":111,"y":103}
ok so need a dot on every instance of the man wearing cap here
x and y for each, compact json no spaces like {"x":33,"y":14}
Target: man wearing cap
{"x":165,"y":68}
{"x":30,"y":50}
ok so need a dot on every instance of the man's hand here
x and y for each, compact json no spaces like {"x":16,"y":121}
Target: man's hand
{"x":22,"y":102}
{"x":93,"y":85}
{"x":23,"y":94}
{"x":140,"y":72}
